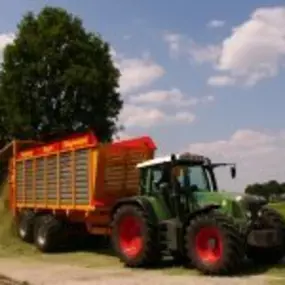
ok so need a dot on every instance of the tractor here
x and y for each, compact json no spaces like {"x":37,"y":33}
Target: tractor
{"x":180,"y":213}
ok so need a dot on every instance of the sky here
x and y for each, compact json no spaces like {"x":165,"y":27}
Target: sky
{"x":198,"y":76}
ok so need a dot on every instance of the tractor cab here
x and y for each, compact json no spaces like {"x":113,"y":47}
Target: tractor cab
{"x":182,"y":178}
{"x":186,"y":183}
{"x":187,"y":171}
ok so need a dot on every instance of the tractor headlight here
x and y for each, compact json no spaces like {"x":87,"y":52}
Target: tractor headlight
{"x":248,"y":214}
{"x":238,"y":198}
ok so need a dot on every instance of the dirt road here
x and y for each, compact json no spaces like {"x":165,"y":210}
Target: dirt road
{"x":45,"y":273}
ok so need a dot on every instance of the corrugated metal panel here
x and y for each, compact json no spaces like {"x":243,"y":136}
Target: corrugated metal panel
{"x":20,"y":181}
{"x":37,"y":179}
{"x":121,"y":175}
{"x":39,"y":183}
{"x":28,"y":180}
{"x":51,"y":179}
{"x":65,"y":181}
{"x":82,"y":177}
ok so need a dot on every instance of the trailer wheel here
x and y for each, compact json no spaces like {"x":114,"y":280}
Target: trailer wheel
{"x":134,"y":237}
{"x":214,"y":244}
{"x":271,"y":255}
{"x":47,"y":233}
{"x":26,"y":226}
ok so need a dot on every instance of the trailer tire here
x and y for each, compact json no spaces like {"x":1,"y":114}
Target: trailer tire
{"x":25,"y":226}
{"x":271,"y":255}
{"x":134,"y":237}
{"x":48,"y":232}
{"x":225,"y":254}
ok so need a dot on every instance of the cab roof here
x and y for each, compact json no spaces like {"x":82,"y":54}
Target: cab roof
{"x":182,"y":157}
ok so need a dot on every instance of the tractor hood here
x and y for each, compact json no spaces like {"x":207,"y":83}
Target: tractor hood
{"x":236,"y":203}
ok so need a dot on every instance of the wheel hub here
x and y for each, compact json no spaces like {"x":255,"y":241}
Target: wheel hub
{"x":130,"y":233}
{"x":212,"y":243}
{"x":209,"y":245}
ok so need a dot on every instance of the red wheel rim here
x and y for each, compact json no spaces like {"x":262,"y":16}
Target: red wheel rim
{"x":130,"y":236}
{"x":208,"y":245}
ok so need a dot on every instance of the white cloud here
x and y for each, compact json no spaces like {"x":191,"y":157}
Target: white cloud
{"x":136,"y":116}
{"x":256,"y":49}
{"x":208,"y":99}
{"x":172,"y":97}
{"x":182,"y":45}
{"x":184,"y":117}
{"x":5,"y":39}
{"x":222,"y":80}
{"x":259,"y":156}
{"x":216,"y":24}
{"x":147,"y":116}
{"x":136,"y":72}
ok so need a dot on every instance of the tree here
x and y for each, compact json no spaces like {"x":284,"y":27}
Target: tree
{"x":268,"y":189}
{"x":57,"y":78}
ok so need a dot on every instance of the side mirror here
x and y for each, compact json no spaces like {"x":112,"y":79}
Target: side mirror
{"x":233,"y":172}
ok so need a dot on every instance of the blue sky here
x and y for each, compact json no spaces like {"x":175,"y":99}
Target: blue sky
{"x":202,"y":85}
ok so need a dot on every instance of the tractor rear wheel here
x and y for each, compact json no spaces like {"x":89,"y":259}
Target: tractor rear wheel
{"x":134,"y":237}
{"x":271,"y":255}
{"x":48,"y":232}
{"x":214,"y":244}
{"x":26,"y":226}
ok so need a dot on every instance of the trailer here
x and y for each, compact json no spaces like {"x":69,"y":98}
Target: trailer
{"x":75,"y":181}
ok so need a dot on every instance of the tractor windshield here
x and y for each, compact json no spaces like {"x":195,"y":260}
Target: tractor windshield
{"x":196,"y":177}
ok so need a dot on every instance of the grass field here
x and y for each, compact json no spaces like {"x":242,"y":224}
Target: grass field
{"x":280,"y":207}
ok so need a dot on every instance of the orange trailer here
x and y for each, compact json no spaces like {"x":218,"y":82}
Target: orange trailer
{"x":76,"y":179}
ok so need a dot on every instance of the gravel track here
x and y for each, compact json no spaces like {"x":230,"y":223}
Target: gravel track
{"x":45,"y":273}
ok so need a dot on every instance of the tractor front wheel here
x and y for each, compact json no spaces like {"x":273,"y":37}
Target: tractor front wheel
{"x":274,"y":254}
{"x":214,"y":244}
{"x":134,"y":237}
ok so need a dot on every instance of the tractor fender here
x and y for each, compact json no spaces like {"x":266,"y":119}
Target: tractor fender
{"x":139,"y":202}
{"x":202,"y":210}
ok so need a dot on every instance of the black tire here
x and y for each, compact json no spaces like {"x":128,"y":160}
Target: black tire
{"x":272,"y":255}
{"x":228,"y":255}
{"x":48,"y":233}
{"x":25,"y":226}
{"x":147,"y":253}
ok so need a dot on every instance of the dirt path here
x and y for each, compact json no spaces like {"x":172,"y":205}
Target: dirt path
{"x":45,"y":273}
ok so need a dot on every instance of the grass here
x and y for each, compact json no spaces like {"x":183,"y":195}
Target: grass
{"x":280,"y":207}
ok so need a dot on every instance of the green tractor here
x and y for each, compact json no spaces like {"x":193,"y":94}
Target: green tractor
{"x":180,"y":213}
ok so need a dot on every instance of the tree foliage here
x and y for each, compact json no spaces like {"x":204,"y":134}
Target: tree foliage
{"x":270,"y":190}
{"x":57,"y":78}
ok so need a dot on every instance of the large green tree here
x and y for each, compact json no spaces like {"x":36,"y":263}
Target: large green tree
{"x":57,"y":78}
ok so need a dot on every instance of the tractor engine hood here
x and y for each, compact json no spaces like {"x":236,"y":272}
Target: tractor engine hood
{"x":237,"y":202}
{"x":251,"y":202}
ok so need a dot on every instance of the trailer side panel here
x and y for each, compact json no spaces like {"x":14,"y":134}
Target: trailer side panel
{"x":56,"y":176}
